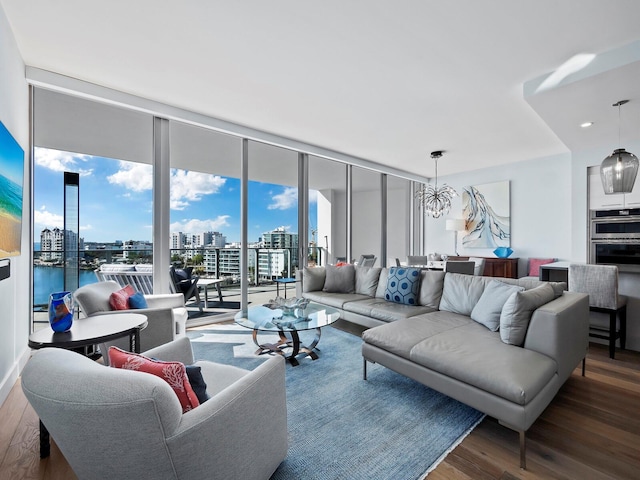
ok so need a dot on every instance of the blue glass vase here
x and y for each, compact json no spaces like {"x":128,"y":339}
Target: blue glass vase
{"x":61,"y":311}
{"x":502,"y":252}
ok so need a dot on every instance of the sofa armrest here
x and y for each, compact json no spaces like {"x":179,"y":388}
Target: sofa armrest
{"x":251,"y":413}
{"x":560,"y":330}
{"x":168,"y":300}
{"x":178,"y":350}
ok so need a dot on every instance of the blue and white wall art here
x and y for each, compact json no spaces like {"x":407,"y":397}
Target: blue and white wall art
{"x":485,"y":209}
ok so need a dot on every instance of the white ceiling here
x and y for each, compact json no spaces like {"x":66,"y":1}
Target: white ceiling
{"x":381,"y":80}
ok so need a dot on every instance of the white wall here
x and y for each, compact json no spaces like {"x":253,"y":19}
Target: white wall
{"x":14,"y":113}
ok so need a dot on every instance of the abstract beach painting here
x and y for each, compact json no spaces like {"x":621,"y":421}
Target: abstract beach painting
{"x":485,"y":209}
{"x":11,"y":181}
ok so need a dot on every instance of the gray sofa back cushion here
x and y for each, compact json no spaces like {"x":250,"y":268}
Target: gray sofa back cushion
{"x":488,"y":309}
{"x":313,"y":279}
{"x":382,"y":283}
{"x":367,"y":280}
{"x":517,"y":311}
{"x":431,"y":286}
{"x":461,"y":293}
{"x":340,"y":279}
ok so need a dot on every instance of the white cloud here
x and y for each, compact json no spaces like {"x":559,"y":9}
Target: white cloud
{"x":313,"y":196}
{"x":197,"y":226}
{"x":133,"y":176}
{"x":61,"y":161}
{"x":187,"y":187}
{"x":285,"y":200}
{"x":44,"y":219}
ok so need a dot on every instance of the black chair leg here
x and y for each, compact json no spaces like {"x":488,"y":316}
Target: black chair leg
{"x":623,"y":327}
{"x":612,"y":334}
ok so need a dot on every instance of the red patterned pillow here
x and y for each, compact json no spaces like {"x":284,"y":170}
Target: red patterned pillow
{"x":534,"y":265}
{"x":120,"y":300}
{"x":174,"y":373}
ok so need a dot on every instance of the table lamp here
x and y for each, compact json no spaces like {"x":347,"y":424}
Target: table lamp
{"x":457,"y":225}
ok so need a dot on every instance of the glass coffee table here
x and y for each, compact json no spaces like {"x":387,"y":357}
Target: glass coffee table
{"x":266,"y":319}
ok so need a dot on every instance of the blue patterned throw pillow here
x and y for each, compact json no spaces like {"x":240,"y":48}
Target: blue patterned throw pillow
{"x":403,"y":285}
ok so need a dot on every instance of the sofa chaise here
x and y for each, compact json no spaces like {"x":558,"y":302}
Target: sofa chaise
{"x":503,"y":346}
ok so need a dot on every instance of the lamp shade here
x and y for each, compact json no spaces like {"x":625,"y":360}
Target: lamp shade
{"x":618,"y":172}
{"x":456,"y":224}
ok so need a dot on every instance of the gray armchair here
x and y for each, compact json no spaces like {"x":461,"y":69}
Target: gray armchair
{"x":116,"y":423}
{"x":166,"y":313}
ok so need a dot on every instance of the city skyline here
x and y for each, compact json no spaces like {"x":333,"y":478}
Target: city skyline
{"x":116,"y":200}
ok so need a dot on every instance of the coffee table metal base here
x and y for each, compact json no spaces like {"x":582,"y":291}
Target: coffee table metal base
{"x":282,"y":346}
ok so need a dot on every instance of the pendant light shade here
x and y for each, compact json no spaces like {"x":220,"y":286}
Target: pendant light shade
{"x":435,"y":200}
{"x":619,"y":170}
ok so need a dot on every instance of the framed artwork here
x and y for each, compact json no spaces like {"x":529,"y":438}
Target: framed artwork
{"x":11,"y":182}
{"x":485,"y":209}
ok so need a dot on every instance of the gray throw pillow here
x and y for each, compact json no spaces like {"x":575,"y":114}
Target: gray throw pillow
{"x":460,"y":293}
{"x":487,"y":310}
{"x":367,"y":280}
{"x":313,"y":279}
{"x":517,"y":311}
{"x":340,"y":279}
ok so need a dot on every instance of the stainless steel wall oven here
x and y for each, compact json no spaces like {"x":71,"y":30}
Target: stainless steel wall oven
{"x":615,"y":238}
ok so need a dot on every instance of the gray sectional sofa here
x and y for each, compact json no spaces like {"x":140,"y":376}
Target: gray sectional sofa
{"x":503,"y":346}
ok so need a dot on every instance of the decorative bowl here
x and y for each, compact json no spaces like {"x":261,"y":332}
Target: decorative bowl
{"x":292,"y":307}
{"x":502,"y":252}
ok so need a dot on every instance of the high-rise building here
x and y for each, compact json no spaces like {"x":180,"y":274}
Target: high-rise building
{"x":52,"y":244}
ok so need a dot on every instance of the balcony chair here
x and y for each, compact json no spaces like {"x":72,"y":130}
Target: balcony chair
{"x":184,"y":282}
{"x":478,"y":265}
{"x":466,"y":268}
{"x":367,"y":260}
{"x":118,"y":423}
{"x":166,"y":314}
{"x":600,"y":282}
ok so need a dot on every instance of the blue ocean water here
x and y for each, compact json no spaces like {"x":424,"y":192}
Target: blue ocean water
{"x":47,"y":280}
{"x":11,"y":198}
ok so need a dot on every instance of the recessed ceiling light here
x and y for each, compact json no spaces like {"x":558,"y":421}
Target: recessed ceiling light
{"x":586,"y":124}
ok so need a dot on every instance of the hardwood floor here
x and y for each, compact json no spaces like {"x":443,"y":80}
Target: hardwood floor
{"x":590,"y":431}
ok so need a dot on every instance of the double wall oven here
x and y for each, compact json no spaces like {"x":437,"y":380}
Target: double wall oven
{"x":615,"y":238}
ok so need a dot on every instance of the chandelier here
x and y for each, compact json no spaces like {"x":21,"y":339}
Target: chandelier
{"x":435,"y":200}
{"x":618,"y":171}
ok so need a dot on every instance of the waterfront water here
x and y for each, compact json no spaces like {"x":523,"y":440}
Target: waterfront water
{"x":47,"y":280}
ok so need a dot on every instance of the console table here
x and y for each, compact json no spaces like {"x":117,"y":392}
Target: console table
{"x":497,"y":267}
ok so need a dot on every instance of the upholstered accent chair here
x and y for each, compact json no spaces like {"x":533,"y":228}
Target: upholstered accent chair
{"x":367,"y":260}
{"x":600,"y":282}
{"x":118,"y":423}
{"x":166,"y":313}
{"x":466,"y":268}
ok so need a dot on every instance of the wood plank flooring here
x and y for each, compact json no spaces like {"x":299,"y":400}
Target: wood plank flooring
{"x":590,"y":431}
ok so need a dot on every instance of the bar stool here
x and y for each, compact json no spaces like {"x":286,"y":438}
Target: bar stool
{"x":600,"y":282}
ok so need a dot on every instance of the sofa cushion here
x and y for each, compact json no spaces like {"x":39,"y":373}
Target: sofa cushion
{"x":431,"y":285}
{"x":382,"y":283}
{"x":340,"y":279}
{"x":403,"y":285}
{"x":401,"y":336}
{"x":174,"y":373}
{"x":475,"y":355}
{"x":390,"y":312}
{"x":367,"y":280}
{"x":336,"y":300}
{"x":517,"y":311}
{"x":460,"y":293}
{"x":488,"y":309}
{"x":313,"y":279}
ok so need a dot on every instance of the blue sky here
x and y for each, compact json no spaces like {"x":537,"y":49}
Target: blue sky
{"x":116,"y":200}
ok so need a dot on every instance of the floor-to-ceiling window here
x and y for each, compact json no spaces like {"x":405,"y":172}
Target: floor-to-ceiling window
{"x":366,"y":223}
{"x":398,"y":218}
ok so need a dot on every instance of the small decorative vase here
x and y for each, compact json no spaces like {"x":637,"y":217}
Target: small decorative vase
{"x":502,"y":252}
{"x":61,"y":311}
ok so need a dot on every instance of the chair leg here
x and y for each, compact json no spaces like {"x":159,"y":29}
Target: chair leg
{"x":612,"y":333}
{"x":623,"y":327}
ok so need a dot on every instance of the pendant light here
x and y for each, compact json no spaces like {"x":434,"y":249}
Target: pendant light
{"x":436,"y":201}
{"x":618,"y":171}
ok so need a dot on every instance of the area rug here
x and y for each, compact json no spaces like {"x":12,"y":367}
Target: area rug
{"x":341,"y":426}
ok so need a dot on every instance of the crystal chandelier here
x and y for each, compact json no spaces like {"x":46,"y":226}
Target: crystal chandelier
{"x":618,"y":171}
{"x":436,"y":201}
